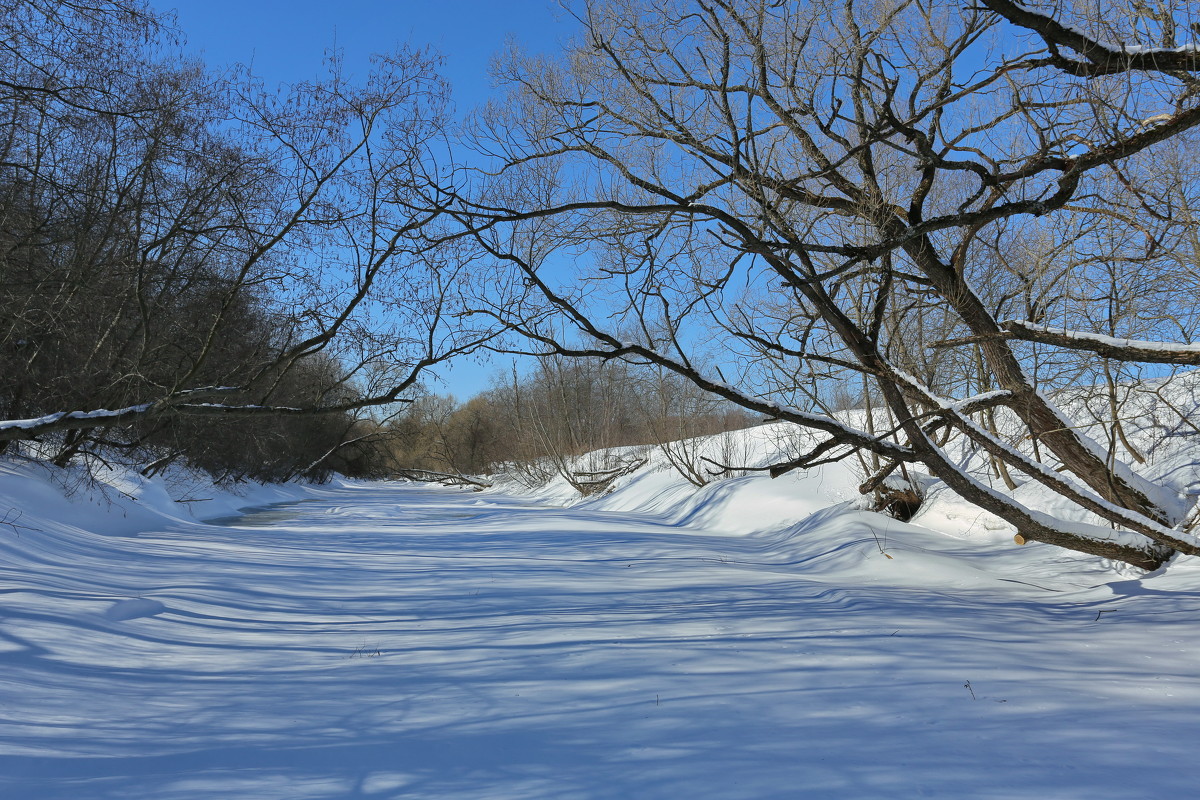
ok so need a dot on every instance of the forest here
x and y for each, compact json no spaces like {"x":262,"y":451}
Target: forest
{"x":955,"y":244}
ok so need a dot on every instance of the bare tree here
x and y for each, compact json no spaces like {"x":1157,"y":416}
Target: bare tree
{"x":843,"y":191}
{"x":565,"y":418}
{"x":682,"y":421}
{"x":175,"y":242}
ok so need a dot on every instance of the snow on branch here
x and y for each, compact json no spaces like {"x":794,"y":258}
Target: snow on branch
{"x":1060,"y":483}
{"x":1036,"y":526}
{"x":1142,"y":351}
{"x":1102,"y":58}
{"x":69,"y":420}
{"x":18,"y":429}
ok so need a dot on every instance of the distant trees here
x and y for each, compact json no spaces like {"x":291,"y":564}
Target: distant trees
{"x":193,"y":263}
{"x":566,"y":409}
{"x":537,"y":426}
{"x":679,"y":417}
{"x":946,"y":211}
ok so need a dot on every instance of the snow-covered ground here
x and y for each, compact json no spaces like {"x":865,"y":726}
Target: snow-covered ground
{"x":752,"y":639}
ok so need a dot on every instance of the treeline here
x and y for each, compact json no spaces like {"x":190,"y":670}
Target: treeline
{"x":537,"y":426}
{"x":196,"y":269}
{"x":184,"y":252}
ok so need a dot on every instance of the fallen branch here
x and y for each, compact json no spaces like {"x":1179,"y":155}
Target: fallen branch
{"x":433,"y":476}
{"x":595,"y":486}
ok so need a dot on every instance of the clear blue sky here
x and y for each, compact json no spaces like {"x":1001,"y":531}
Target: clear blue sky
{"x":286,"y":42}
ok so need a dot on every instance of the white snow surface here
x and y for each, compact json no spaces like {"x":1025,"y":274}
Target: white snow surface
{"x":753,"y":638}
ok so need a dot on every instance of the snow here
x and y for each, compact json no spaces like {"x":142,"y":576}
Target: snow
{"x":165,"y":639}
{"x":1110,"y":341}
{"x":37,"y":422}
{"x":132,"y":609}
{"x":1114,"y":49}
{"x":1137,"y":49}
{"x":753,"y":638}
{"x":1164,"y":496}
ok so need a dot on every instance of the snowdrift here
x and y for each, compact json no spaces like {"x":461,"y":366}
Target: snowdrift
{"x":1158,"y":422}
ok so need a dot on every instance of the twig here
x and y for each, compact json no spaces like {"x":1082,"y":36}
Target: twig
{"x":11,"y":522}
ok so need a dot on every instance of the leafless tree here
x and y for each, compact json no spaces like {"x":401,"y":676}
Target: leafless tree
{"x":842,"y":192}
{"x":564,"y":419}
{"x":682,"y":420}
{"x":181,"y":243}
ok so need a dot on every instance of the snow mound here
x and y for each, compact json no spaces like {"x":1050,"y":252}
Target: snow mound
{"x":123,"y":610}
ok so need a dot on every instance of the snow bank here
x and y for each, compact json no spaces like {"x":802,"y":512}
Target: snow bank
{"x":59,"y":505}
{"x":1157,"y":418}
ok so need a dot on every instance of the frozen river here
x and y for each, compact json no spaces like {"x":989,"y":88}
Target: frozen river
{"x":382,"y":641}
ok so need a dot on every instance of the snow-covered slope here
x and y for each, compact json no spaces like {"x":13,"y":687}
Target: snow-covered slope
{"x":118,"y":500}
{"x":1159,"y":419}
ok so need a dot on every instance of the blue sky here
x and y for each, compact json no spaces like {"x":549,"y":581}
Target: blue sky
{"x":287,"y":41}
